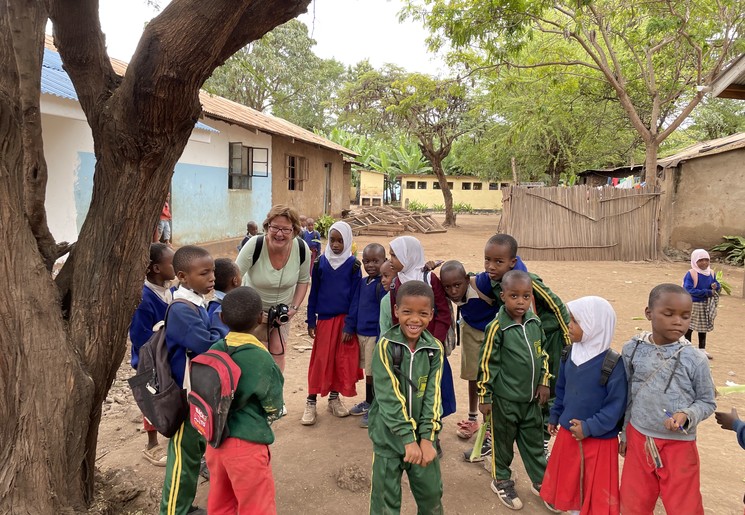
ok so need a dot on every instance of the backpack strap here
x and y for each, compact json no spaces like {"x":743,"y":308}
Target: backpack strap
{"x":260,"y":244}
{"x":481,"y":295}
{"x":694,"y":277}
{"x":397,"y":355}
{"x":356,"y":266}
{"x":565,"y":353}
{"x":609,"y":363}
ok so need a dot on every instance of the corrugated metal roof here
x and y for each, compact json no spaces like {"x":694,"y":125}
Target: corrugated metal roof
{"x":704,"y":149}
{"x":731,"y":82}
{"x":55,"y":81}
{"x":220,"y":108}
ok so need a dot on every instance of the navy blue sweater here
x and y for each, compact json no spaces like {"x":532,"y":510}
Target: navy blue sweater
{"x":188,"y":329}
{"x":364,"y":312}
{"x":151,"y":310}
{"x":331,"y":291}
{"x":579,"y":395}
{"x":214,"y":308}
{"x":476,"y":312}
{"x":703,"y":290}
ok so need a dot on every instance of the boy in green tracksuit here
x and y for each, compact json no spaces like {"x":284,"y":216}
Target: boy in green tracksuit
{"x":502,"y":248}
{"x":404,"y":419}
{"x":513,"y":381}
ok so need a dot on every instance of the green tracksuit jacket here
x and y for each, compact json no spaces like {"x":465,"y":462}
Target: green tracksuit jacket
{"x":513,"y":362}
{"x":400,"y":413}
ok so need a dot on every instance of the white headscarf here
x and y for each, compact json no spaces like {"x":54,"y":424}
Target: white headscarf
{"x":597,"y":319}
{"x":336,"y":260}
{"x":409,"y":252}
{"x":695,"y":256}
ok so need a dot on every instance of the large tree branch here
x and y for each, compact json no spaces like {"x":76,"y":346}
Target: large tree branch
{"x":681,"y":117}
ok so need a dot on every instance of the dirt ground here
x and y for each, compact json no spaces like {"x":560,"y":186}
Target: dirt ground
{"x":325,"y":468}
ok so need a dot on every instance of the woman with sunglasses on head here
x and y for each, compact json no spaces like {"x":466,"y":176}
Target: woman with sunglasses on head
{"x":277,"y":265}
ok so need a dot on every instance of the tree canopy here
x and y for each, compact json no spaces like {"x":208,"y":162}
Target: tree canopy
{"x":651,"y":56}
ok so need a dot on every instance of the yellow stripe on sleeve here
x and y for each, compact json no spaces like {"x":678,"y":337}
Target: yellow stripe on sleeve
{"x":436,"y":424}
{"x":555,"y":308}
{"x":485,"y":357}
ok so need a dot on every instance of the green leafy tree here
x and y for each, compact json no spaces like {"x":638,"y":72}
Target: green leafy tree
{"x":281,"y":74}
{"x":650,"y":55}
{"x":717,"y":118}
{"x":434,"y":112}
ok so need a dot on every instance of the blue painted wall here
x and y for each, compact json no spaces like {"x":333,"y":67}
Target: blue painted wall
{"x":204,"y":209}
{"x":83,"y":186}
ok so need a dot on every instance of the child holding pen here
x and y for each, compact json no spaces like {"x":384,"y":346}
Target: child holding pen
{"x":670,"y":392}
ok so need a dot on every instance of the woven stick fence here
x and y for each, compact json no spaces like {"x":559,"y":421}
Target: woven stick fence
{"x":583,"y":223}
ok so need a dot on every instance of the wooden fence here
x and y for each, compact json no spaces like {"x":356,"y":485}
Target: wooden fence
{"x":583,"y":223}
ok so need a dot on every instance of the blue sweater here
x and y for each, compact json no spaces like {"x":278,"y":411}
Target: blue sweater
{"x":188,"y":330}
{"x":309,"y":237}
{"x":364,"y":312}
{"x":151,"y":310}
{"x":214,"y":308}
{"x":580,"y":396}
{"x":331,"y":291}
{"x":739,"y":428}
{"x":478,"y":313}
{"x":703,"y":290}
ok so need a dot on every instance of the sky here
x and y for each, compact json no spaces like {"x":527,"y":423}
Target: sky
{"x":348,"y":30}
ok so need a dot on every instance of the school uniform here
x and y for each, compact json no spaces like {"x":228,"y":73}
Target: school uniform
{"x":188,"y":334}
{"x":406,"y":409}
{"x":473,"y":315}
{"x":245,"y":453}
{"x":579,"y":395}
{"x":513,"y":364}
{"x":150,"y":311}
{"x":334,"y":365}
{"x":702,"y":315}
{"x":673,"y":377}
{"x":314,"y":246}
{"x":364,"y":318}
{"x":214,"y":308}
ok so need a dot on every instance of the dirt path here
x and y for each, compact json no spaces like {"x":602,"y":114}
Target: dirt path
{"x":308,"y":461}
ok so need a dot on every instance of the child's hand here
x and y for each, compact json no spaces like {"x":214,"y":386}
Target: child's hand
{"x":431,"y":265}
{"x":345,"y":337}
{"x":622,"y":448}
{"x":576,"y":429}
{"x":676,"y":422}
{"x":429,"y":453}
{"x":542,"y":393}
{"x":727,"y":420}
{"x":552,"y":429}
{"x":312,"y":332}
{"x":413,"y":454}
{"x":485,"y":410}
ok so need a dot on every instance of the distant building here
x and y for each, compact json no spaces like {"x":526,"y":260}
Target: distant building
{"x":425,"y":189}
{"x":371,"y":190}
{"x":237,"y":164}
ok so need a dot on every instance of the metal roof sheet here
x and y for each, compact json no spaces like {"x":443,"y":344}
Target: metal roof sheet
{"x":220,"y":108}
{"x":704,"y":149}
{"x":55,"y":81}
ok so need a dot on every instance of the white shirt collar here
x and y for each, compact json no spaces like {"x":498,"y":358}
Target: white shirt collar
{"x":190,"y":295}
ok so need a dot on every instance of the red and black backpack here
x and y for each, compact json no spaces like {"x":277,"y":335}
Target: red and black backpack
{"x":214,"y":380}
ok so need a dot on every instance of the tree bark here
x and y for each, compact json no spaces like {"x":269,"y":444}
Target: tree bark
{"x":447,"y":195}
{"x":650,"y":162}
{"x":140,"y":126}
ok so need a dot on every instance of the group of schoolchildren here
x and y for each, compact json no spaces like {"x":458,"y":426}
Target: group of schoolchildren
{"x":536,"y":367}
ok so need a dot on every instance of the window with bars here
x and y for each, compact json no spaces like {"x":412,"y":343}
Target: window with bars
{"x":246,"y":163}
{"x":477,"y":185}
{"x":296,"y":172}
{"x":465,"y":186}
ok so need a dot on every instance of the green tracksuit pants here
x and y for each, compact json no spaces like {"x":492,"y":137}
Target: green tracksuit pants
{"x":185,"y":451}
{"x":521,"y":422}
{"x":385,"y":492}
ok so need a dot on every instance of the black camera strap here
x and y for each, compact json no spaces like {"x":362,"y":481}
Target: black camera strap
{"x":270,"y":325}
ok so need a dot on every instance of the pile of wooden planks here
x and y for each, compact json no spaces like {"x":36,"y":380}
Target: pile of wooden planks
{"x":390,"y":221}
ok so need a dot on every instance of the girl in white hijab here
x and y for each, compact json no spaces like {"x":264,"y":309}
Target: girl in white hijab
{"x":582,"y":472}
{"x":334,"y":360}
{"x":701,"y":283}
{"x":407,"y":257}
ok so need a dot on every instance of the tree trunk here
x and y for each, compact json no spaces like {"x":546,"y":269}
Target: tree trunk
{"x":447,"y":195}
{"x":61,"y":344}
{"x":650,"y":162}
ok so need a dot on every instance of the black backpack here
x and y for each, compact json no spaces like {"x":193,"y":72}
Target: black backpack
{"x":397,"y":354}
{"x":160,"y":399}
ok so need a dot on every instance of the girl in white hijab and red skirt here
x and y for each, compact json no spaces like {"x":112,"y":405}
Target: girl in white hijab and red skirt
{"x":587,"y":415}
{"x":701,"y":283}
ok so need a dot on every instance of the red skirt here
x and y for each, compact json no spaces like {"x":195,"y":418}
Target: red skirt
{"x":561,"y":482}
{"x":334,"y":365}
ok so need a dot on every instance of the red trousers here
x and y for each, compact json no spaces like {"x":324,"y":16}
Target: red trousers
{"x":147,"y":425}
{"x":241,"y":479}
{"x":677,"y":481}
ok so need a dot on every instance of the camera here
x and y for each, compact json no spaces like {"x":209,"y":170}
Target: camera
{"x":278,"y":315}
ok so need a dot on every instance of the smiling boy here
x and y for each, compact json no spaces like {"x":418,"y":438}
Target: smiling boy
{"x":405,"y":414}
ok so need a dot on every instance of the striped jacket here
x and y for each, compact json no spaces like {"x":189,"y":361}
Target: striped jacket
{"x":513,"y":362}
{"x":408,"y":402}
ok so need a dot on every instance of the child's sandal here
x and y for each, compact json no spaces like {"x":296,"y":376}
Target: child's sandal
{"x":158,"y":455}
